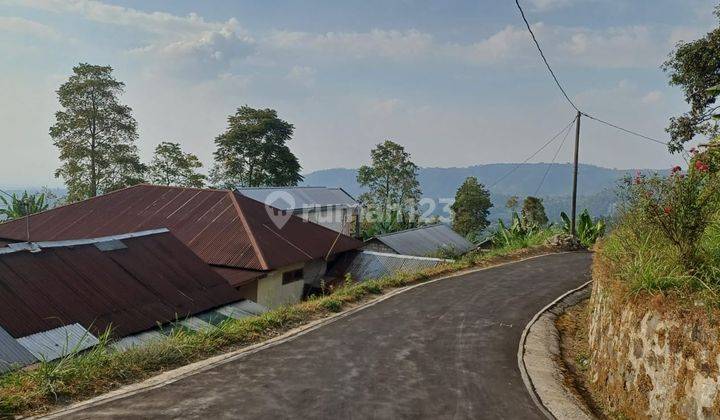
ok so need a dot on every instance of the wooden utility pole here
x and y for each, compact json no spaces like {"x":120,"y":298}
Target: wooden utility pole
{"x":575,"y":172}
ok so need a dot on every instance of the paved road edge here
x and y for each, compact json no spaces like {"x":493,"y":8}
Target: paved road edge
{"x":177,"y":374}
{"x":538,"y":354}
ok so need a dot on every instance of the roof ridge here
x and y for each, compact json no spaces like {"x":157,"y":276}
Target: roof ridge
{"x":73,"y":204}
{"x":385,"y":235}
{"x":249,"y":230}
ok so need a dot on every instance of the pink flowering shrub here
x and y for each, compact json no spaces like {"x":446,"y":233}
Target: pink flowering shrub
{"x":675,"y":210}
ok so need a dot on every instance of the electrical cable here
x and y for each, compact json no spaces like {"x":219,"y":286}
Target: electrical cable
{"x":567,"y":97}
{"x":533,"y":155}
{"x":537,"y":44}
{"x":557,"y":152}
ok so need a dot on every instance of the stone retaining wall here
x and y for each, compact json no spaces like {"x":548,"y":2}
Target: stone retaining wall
{"x":653,"y":356}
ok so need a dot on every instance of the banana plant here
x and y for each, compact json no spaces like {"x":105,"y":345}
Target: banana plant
{"x":588,"y":232}
{"x":519,"y":229}
{"x":17,"y":207}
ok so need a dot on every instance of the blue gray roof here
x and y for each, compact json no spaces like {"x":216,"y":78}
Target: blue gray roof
{"x":425,"y":240}
{"x":12,"y":354}
{"x":367,"y":265}
{"x":298,"y":198}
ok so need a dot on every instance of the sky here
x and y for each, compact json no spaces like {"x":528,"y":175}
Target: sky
{"x":457,"y":83}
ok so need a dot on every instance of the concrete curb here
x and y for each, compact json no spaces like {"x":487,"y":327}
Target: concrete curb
{"x":538,"y":353}
{"x":175,"y":375}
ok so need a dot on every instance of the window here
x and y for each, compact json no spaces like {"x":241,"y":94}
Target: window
{"x":292,"y":276}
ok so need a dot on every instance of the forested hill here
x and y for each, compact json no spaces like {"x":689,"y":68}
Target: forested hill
{"x":596,"y":185}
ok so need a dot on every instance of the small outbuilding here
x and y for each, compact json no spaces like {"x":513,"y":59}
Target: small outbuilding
{"x":331,"y":207}
{"x":424,"y":241}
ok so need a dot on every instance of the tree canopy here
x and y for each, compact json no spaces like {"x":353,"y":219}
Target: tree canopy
{"x":170,"y":166}
{"x":253,"y":151}
{"x":392,"y":182}
{"x":533,"y":211}
{"x":695,"y":67}
{"x":95,"y":134}
{"x":471,"y":207}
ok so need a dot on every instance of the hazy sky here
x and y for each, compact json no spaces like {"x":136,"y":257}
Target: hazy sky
{"x":457,"y":82}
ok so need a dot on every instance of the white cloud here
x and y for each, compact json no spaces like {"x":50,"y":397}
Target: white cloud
{"x":21,"y":26}
{"x":652,"y":97}
{"x":188,"y":37}
{"x":621,"y":47}
{"x":388,"y":44}
{"x":544,"y":5}
{"x":303,"y":75}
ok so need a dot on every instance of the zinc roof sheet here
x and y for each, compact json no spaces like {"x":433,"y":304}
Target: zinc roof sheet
{"x":12,"y":354}
{"x":224,"y":228}
{"x":155,"y":279}
{"x":425,"y":240}
{"x":58,"y":342}
{"x":297,"y":198}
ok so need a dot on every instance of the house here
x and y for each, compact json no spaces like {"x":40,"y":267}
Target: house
{"x":267,"y":255}
{"x":330,"y":207}
{"x":58,"y":297}
{"x":424,"y":241}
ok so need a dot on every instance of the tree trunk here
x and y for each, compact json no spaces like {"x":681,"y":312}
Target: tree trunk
{"x":93,"y":169}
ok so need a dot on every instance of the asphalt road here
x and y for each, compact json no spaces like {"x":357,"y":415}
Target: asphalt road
{"x":443,"y":350}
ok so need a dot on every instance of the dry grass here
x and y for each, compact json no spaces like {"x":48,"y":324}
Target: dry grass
{"x":102,"y":369}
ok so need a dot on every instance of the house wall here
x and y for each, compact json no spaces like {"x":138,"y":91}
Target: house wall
{"x":271,"y":292}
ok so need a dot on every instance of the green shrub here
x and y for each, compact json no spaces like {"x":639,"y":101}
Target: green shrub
{"x":587,"y":230}
{"x":667,"y":232}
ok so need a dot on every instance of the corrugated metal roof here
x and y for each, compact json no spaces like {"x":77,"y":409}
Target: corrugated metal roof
{"x":137,"y":340}
{"x":224,"y":228}
{"x":156,"y":279}
{"x":242,"y":309}
{"x":58,"y":342}
{"x":298,"y":198}
{"x":12,"y":354}
{"x":238,"y":277}
{"x":425,"y":240}
{"x":203,"y":321}
{"x":367,"y":265}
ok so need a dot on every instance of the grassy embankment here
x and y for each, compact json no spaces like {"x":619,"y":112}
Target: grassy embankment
{"x":102,"y":369}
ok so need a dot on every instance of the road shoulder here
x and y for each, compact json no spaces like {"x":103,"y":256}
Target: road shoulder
{"x":539,"y":357}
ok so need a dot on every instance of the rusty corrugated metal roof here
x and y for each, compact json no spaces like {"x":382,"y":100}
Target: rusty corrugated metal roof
{"x":153,"y":279}
{"x":223,"y":227}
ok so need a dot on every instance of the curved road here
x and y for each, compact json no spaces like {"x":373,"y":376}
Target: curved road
{"x":443,"y":350}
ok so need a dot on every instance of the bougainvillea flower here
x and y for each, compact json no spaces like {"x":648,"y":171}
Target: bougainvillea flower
{"x":700,"y":166}
{"x":676,"y":169}
{"x":667,"y":209}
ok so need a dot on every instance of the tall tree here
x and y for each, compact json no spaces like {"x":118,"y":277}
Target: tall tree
{"x":533,"y":211}
{"x":391,"y":180}
{"x":96,"y":134}
{"x":471,"y":207}
{"x":695,"y":67}
{"x":253,"y":152}
{"x":170,"y":166}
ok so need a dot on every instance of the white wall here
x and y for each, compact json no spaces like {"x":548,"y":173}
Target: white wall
{"x":272,"y":293}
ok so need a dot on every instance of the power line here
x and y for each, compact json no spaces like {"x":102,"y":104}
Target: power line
{"x":537,"y":44}
{"x":547,"y":143}
{"x":557,"y":152}
{"x":634,"y":133}
{"x":567,"y":97}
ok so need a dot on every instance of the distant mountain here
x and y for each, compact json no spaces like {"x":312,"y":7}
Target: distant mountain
{"x":596,"y":185}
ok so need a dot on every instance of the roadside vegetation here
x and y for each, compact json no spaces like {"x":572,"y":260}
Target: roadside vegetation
{"x":667,"y":233}
{"x":101,"y":369}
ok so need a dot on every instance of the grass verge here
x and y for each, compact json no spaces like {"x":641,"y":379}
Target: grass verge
{"x":102,"y":369}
